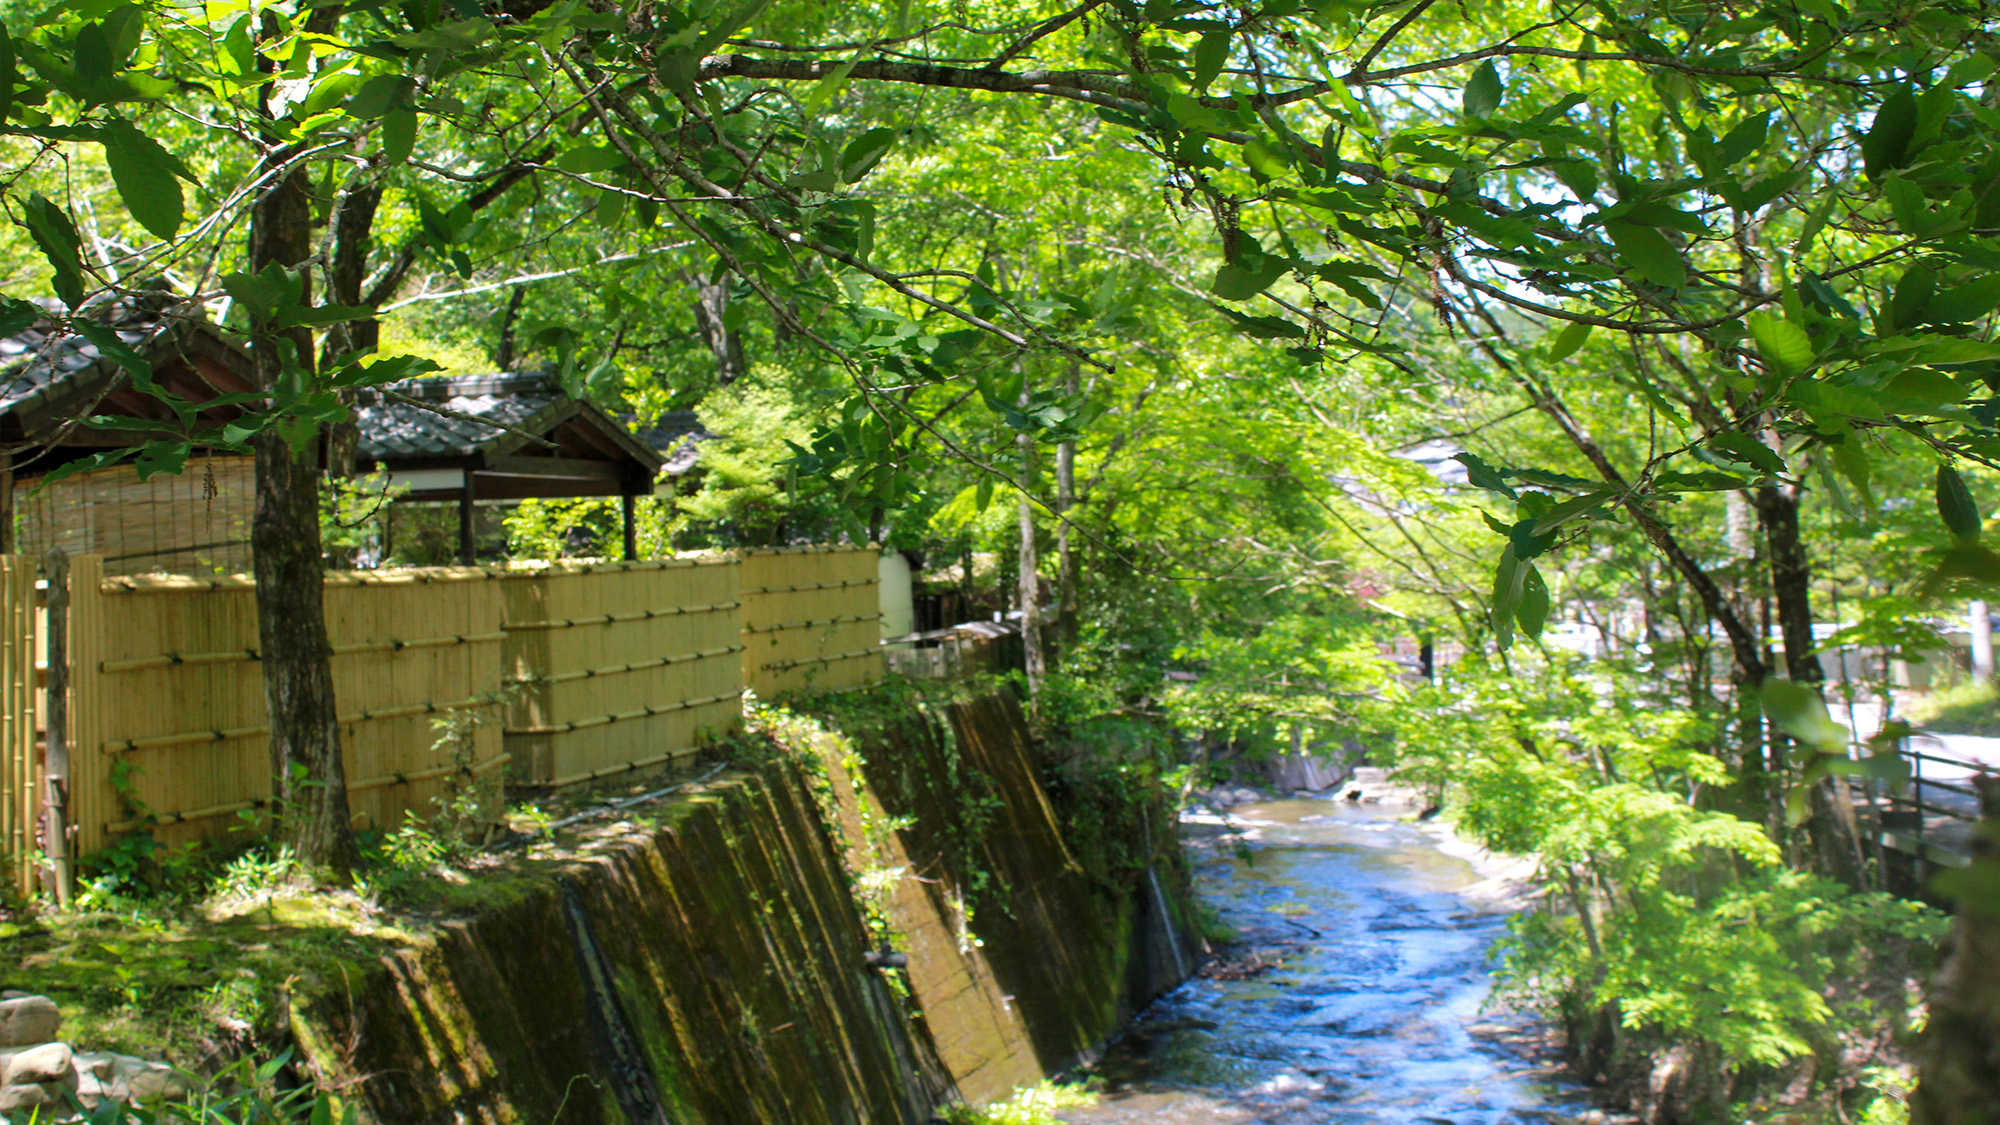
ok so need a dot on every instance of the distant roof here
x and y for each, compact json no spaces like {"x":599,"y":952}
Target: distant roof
{"x":480,"y":418}
{"x":676,"y":436}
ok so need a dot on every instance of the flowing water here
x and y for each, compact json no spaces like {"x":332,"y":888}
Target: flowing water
{"x":1375,"y":1011}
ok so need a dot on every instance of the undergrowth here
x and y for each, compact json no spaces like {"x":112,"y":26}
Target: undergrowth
{"x":1029,"y":1105}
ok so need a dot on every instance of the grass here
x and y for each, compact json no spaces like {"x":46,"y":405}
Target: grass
{"x":1030,"y":1105}
{"x":1969,"y":707}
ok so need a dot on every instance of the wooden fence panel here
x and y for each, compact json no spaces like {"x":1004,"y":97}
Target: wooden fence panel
{"x":619,"y":666}
{"x":810,"y":619}
{"x":177,"y":733}
{"x":20,"y":773}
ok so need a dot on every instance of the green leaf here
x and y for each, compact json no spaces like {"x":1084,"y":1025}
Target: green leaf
{"x":1888,"y":138}
{"x":53,"y":231}
{"x":379,"y":95}
{"x":144,"y":174}
{"x":1574,"y":506}
{"x":1785,"y":348}
{"x":1483,"y":91}
{"x":1483,"y":475}
{"x":728,"y":26}
{"x":1209,"y":56}
{"x":1506,"y":597}
{"x":1534,"y":607}
{"x":399,"y":135}
{"x":1801,"y":713}
{"x":1647,"y":253}
{"x":677,"y":70}
{"x":1564,"y":343}
{"x":864,"y":152}
{"x":1244,"y":279}
{"x":1956,"y":507}
{"x":1746,"y":138}
{"x":1967,"y":302}
{"x":1747,"y":450}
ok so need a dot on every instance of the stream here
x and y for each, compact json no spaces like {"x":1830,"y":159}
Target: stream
{"x":1376,"y":1008}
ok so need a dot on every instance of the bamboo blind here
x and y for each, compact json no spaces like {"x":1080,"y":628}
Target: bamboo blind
{"x":619,"y":665}
{"x":20,"y":774}
{"x":196,"y":521}
{"x":810,"y":619}
{"x":169,"y":708}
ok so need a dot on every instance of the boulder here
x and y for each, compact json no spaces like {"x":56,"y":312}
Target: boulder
{"x":49,"y":1062}
{"x":19,"y":1099}
{"x":103,"y":1074}
{"x":27,"y":1020}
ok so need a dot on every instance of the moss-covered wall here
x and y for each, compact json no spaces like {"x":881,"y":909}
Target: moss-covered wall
{"x":710,"y":968}
{"x":1051,"y":962}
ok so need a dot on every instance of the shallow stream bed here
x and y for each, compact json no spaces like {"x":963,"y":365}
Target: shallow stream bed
{"x":1375,"y":1009}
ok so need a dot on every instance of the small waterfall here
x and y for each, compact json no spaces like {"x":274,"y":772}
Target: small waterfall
{"x":1183,"y":967}
{"x":634,"y":1087}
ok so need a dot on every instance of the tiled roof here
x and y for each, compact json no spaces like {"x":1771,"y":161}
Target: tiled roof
{"x":35,"y":360}
{"x":676,"y":435}
{"x":392,"y":430}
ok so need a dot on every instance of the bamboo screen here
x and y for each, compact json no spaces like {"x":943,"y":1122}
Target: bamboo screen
{"x":620,"y":666}
{"x":167,"y":696}
{"x":810,"y":619}
{"x":193,"y":522}
{"x":19,"y":772}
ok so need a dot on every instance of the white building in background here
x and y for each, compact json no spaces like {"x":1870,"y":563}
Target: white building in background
{"x":899,"y":607}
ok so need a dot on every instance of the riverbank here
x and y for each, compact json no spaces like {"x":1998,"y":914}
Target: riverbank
{"x":864,"y":916}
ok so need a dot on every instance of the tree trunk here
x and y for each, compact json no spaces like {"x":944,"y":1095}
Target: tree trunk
{"x":711,"y":305}
{"x":1836,"y":845}
{"x":309,"y":780}
{"x":1027,"y":585}
{"x":1958,"y":1058}
{"x":1066,"y":593}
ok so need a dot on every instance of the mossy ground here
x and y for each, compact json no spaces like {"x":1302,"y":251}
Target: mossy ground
{"x":196,"y":964}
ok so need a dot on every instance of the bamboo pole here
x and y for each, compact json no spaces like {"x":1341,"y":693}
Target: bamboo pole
{"x":55,"y":762}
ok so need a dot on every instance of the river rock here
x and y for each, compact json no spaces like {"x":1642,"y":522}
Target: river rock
{"x":103,"y":1074}
{"x":50,"y":1062}
{"x":19,"y":1099}
{"x":26,"y":1020}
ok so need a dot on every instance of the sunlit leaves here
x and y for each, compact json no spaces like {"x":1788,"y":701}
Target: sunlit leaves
{"x":55,"y":233}
{"x":148,"y":178}
{"x":1483,"y":91}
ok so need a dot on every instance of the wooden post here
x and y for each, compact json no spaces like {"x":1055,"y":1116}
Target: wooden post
{"x":631,"y":512}
{"x":465,"y":545}
{"x":1979,"y":620}
{"x":55,"y":769}
{"x":7,"y":535}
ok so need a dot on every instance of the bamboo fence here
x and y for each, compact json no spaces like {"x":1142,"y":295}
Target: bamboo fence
{"x":168,"y":723}
{"x":565,"y":672}
{"x":619,"y":666}
{"x":20,"y":789}
{"x":810,"y":619}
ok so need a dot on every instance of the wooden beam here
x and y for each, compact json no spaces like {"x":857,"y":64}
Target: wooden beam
{"x":465,"y":510}
{"x":570,"y":467}
{"x":629,"y":506}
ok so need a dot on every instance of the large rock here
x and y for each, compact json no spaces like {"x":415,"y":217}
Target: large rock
{"x":19,"y":1099}
{"x":28,"y":1020}
{"x":102,"y":1074}
{"x":50,"y":1062}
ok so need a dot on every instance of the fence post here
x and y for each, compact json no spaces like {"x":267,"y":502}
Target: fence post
{"x":18,"y":795}
{"x":88,"y":786}
{"x":55,"y":763}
